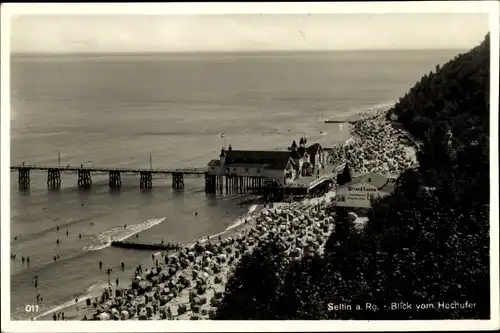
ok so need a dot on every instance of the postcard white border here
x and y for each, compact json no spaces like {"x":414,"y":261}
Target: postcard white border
{"x":9,"y":10}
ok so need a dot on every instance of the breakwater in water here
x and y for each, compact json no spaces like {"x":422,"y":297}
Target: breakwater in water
{"x":143,"y":246}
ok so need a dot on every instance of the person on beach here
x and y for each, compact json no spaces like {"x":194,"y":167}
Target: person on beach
{"x":80,"y":236}
{"x":22,"y":259}
{"x":153,"y":256}
{"x":57,"y":242}
{"x":55,"y":258}
{"x":123,"y":266}
{"x":162,"y":241}
{"x":38,"y":298}
{"x":117,"y":282}
{"x":54,"y":316}
{"x":136,"y":235}
{"x":196,"y":214}
{"x":67,"y":233}
{"x":124,"y":226}
{"x":57,"y":228}
{"x":15,"y":237}
{"x":100,"y":265}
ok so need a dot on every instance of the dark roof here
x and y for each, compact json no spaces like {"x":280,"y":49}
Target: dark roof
{"x":298,"y":153}
{"x":250,"y":165}
{"x":214,"y":163}
{"x":312,"y":149}
{"x":275,"y":159}
{"x":375,"y":179}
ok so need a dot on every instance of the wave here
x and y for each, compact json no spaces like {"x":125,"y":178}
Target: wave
{"x":120,"y":233}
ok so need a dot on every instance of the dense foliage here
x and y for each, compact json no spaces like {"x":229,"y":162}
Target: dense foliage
{"x":428,"y":243}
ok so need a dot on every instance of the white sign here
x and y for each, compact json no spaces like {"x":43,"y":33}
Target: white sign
{"x":357,"y":195}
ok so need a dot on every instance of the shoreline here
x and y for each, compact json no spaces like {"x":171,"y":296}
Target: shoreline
{"x":149,"y":306}
{"x":69,"y":308}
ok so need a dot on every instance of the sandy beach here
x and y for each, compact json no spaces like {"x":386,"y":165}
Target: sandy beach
{"x":376,"y":146}
{"x":189,"y":283}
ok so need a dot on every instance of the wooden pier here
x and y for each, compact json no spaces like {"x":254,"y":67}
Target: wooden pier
{"x":232,"y":184}
{"x":84,"y":178}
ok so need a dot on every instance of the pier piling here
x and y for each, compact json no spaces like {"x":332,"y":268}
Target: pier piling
{"x":115,"y":179}
{"x":53,"y":179}
{"x":84,"y":178}
{"x":146,"y":180}
{"x":24,"y":178}
{"x":177,"y":181}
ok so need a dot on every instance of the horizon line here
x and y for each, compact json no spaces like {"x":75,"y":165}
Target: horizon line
{"x":31,"y":53}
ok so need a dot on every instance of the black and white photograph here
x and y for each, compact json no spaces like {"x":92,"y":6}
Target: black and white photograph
{"x":303,"y":163}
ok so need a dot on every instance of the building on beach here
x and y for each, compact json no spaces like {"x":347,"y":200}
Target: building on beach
{"x":308,"y":161}
{"x":317,"y":156}
{"x":275,"y":166}
{"x":283,"y":167}
{"x":300,"y":158}
{"x":362,"y":190}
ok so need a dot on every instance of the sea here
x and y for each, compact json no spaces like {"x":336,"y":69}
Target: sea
{"x":168,"y":111}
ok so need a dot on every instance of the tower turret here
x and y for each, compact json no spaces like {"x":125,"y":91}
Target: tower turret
{"x":222,"y":156}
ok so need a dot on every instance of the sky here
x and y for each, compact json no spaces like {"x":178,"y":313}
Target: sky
{"x":245,"y":32}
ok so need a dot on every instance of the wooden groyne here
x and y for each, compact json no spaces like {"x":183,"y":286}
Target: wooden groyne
{"x":142,"y":246}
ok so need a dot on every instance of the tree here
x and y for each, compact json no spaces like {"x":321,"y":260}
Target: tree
{"x":426,"y":243}
{"x":251,"y":292}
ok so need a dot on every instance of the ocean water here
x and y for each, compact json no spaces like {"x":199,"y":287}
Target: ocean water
{"x":114,"y":110}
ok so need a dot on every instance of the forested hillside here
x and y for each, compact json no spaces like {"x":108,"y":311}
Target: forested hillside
{"x":428,"y":243}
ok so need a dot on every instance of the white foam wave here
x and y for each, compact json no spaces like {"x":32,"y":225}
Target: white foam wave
{"x":120,"y":233}
{"x":252,"y":208}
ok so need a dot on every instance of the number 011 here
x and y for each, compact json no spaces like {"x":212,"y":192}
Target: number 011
{"x":31,"y":308}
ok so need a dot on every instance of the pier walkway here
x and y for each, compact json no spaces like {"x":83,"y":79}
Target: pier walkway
{"x":85,"y":179}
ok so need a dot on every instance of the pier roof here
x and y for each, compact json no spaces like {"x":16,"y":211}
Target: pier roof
{"x":312,"y":149}
{"x":298,"y":153}
{"x":273,"y":159}
{"x":214,"y":163}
